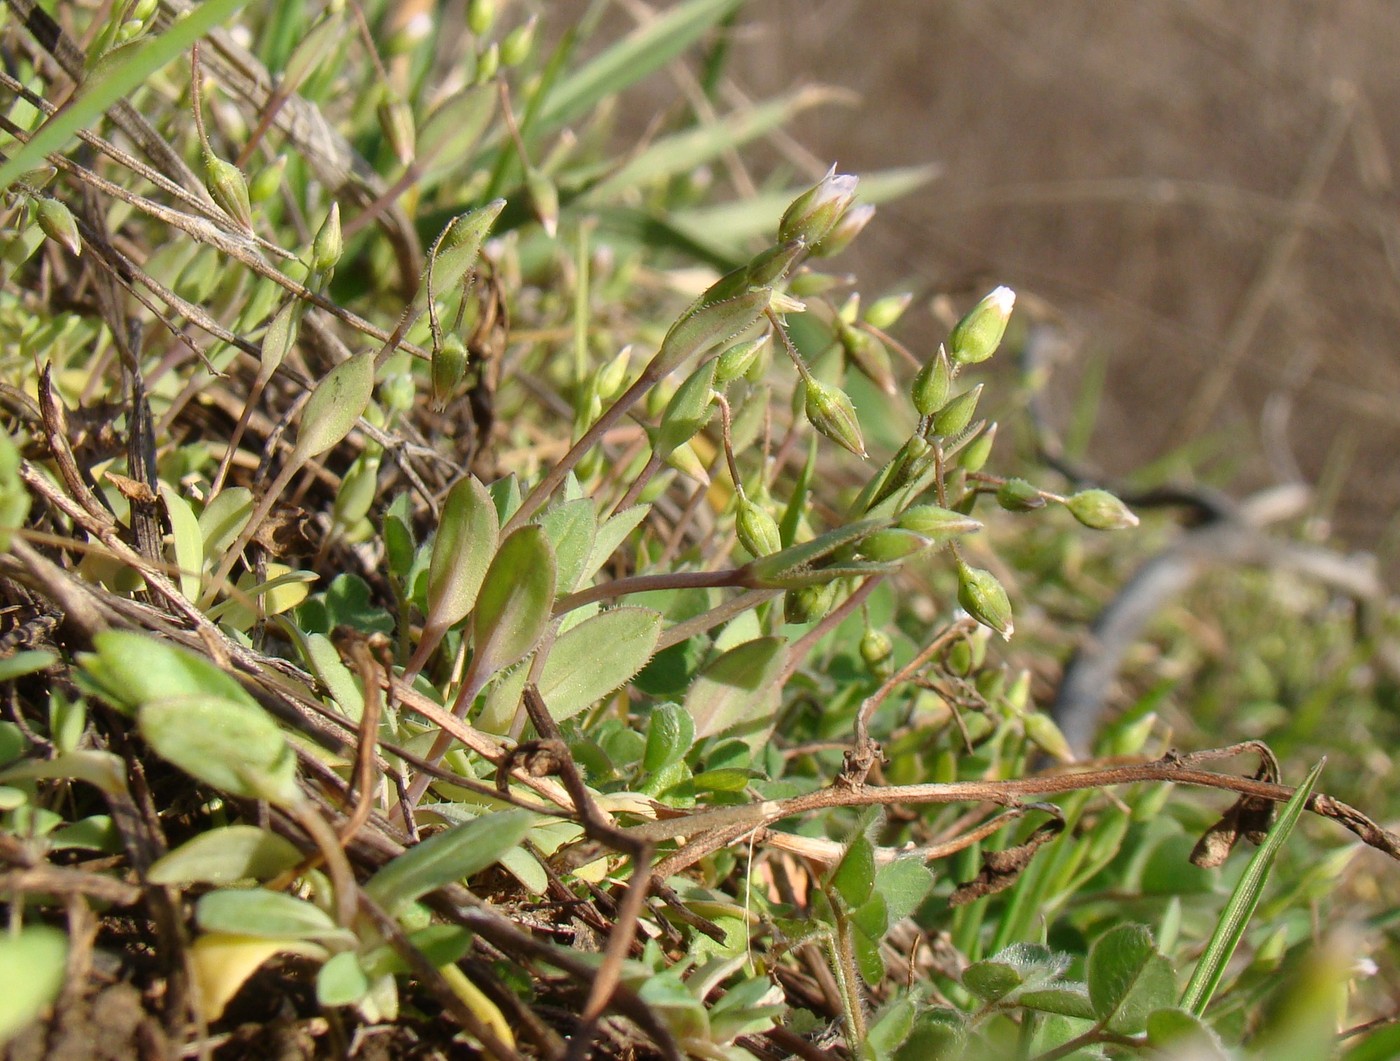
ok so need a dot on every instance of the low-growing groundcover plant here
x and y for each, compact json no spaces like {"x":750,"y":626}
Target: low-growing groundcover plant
{"x":473,"y":591}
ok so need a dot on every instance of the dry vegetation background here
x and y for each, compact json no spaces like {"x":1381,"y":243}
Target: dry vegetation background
{"x":1203,"y":192}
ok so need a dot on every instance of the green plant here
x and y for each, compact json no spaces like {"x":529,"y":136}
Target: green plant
{"x":560,"y":583}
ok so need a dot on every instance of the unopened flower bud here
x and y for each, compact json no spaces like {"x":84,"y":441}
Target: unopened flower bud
{"x":876,"y":648}
{"x":815,"y":212}
{"x":983,"y":598}
{"x":613,"y":375}
{"x":1100,"y":510}
{"x":58,"y":223}
{"x":480,"y":15}
{"x":891,"y":544}
{"x":807,"y":283}
{"x":937,"y":524}
{"x":885,"y":312}
{"x":757,"y":529}
{"x":1041,"y":731}
{"x":975,"y":456}
{"x":488,"y":63}
{"x":515,"y":49}
{"x":931,"y":385}
{"x":830,"y":411}
{"x":396,"y":122}
{"x":868,"y":354}
{"x":809,"y":603}
{"x":328,"y":245}
{"x":544,"y":201}
{"x":957,"y":414}
{"x":1017,"y":495}
{"x":449,"y":368}
{"x":844,"y":231}
{"x":738,"y":359}
{"x":773,"y":264}
{"x":977,"y":336}
{"x":229,"y":189}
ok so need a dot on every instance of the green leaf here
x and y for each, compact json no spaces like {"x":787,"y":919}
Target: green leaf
{"x":334,"y":407}
{"x":115,"y":82}
{"x":670,"y":733}
{"x":103,"y":769}
{"x":226,"y":855}
{"x":854,"y":876}
{"x":1066,"y":999}
{"x":188,"y":540}
{"x":325,"y":662}
{"x":462,"y":551}
{"x":14,"y":495}
{"x":688,"y":411}
{"x":1229,"y":930}
{"x":1182,"y":1034}
{"x":904,"y":883}
{"x":572,"y":528}
{"x":450,"y":856}
{"x":342,"y":980}
{"x":230,"y":744}
{"x":599,"y":655}
{"x":515,"y":601}
{"x":1018,"y":965}
{"x":30,"y":661}
{"x":646,"y":49}
{"x":223,"y":519}
{"x":457,"y":249}
{"x":610,"y":536}
{"x":267,"y":915}
{"x":33,"y":962}
{"x":130,"y":669}
{"x":738,"y":687}
{"x":1128,"y":979}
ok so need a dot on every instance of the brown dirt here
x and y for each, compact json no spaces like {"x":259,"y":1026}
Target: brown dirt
{"x":1202,"y":190}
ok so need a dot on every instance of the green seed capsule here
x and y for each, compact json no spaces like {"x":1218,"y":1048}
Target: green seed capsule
{"x":328,"y":245}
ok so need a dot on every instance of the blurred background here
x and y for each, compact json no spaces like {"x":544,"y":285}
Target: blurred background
{"x":1199,"y":195}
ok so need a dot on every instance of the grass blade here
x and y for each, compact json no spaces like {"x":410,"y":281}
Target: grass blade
{"x":114,"y":83}
{"x":640,"y":53}
{"x":1243,"y":902}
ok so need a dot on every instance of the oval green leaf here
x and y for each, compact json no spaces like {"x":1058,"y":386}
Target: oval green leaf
{"x":462,"y":551}
{"x":596,"y":657}
{"x":448,"y":857}
{"x":222,"y":856}
{"x":32,"y":966}
{"x":515,"y":601}
{"x":232,"y":745}
{"x":267,"y":915}
{"x":334,"y":407}
{"x":736,"y":688}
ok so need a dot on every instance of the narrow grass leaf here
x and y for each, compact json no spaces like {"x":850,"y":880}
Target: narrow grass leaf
{"x":1229,"y":930}
{"x":642,"y":52}
{"x":115,"y":82}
